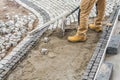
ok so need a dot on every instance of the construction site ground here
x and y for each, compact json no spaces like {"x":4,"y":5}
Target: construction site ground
{"x":63,"y":61}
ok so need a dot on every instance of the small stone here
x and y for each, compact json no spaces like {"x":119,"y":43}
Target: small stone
{"x":2,"y":24}
{"x":4,"y":30}
{"x":4,"y":8}
{"x":1,"y":65}
{"x":3,"y":51}
{"x":46,"y":39}
{"x":16,"y":18}
{"x":14,"y":44}
{"x":44,"y":51}
{"x":2,"y":55}
{"x":51,"y":55}
{"x":30,"y":26}
{"x":31,"y":16}
{"x":7,"y":16}
{"x":0,"y":49}
{"x":109,"y":24}
{"x":9,"y":23}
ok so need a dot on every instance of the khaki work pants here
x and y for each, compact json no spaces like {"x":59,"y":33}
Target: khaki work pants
{"x":86,"y":6}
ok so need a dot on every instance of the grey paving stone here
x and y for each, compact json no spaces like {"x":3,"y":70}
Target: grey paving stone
{"x":93,"y":58}
{"x":90,"y":78}
{"x":97,"y":60}
{"x":1,"y":70}
{"x":99,"y":55}
{"x":6,"y":65}
{"x":11,"y":64}
{"x":21,"y":50}
{"x":101,"y":51}
{"x":95,"y":54}
{"x":105,"y":71}
{"x":90,"y":65}
{"x":10,"y":61}
{"x":91,"y":75}
{"x":99,"y":44}
{"x":104,"y":43}
{"x":3,"y":62}
{"x":4,"y":73}
{"x":85,"y":78}
{"x":88,"y":71}
{"x":18,"y":58}
{"x":86,"y":74}
{"x":114,"y":45}
{"x":6,"y":69}
{"x":119,"y":18}
{"x":91,"y":62}
{"x":102,"y":36}
{"x":1,"y":78}
{"x":96,"y":64}
{"x":94,"y":70}
{"x":107,"y":37}
{"x":15,"y":60}
{"x":21,"y":54}
{"x":8,"y":57}
{"x":1,"y":65}
{"x":88,"y":68}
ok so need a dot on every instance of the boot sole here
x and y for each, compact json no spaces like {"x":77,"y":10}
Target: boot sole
{"x":78,"y":41}
{"x":95,"y":30}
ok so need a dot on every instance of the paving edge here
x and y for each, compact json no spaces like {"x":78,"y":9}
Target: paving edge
{"x":97,"y":59}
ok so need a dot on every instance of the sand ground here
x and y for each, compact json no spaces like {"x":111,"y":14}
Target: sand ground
{"x":63,"y":61}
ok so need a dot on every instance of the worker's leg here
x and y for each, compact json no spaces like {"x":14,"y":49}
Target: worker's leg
{"x":101,"y":10}
{"x":86,"y":6}
{"x":97,"y":26}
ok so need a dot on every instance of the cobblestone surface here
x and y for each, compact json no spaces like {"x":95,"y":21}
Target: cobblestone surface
{"x":49,"y":9}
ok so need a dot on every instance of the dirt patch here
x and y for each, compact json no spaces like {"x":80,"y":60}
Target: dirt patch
{"x":10,"y":7}
{"x":63,"y":61}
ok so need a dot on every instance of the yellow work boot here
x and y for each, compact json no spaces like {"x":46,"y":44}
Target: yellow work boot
{"x":95,"y":28}
{"x":77,"y":38}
